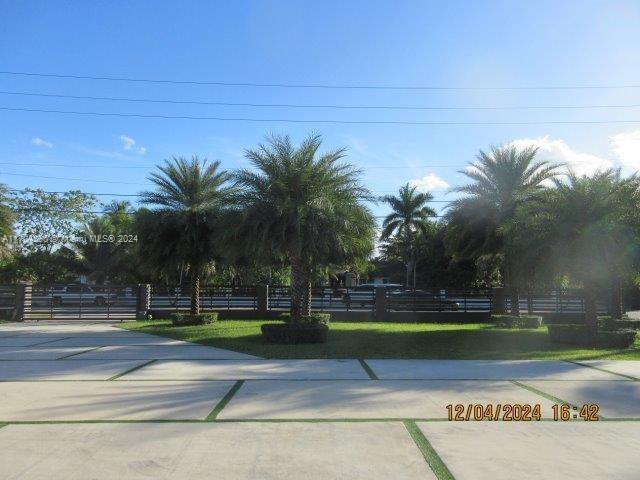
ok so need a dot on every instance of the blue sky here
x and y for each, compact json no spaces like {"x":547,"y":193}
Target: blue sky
{"x":421,"y":43}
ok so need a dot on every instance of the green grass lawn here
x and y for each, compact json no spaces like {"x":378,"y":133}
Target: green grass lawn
{"x":388,"y":340}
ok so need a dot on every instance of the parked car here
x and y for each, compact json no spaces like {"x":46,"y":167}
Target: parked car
{"x":364,"y":294}
{"x":80,"y":294}
{"x":409,"y":299}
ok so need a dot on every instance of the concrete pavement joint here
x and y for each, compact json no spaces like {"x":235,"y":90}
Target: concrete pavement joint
{"x":78,"y":353}
{"x":224,"y":401}
{"x":130,"y":370}
{"x":367,"y":368}
{"x":548,"y":396}
{"x":432,"y":458}
{"x":48,"y":341}
{"x":603,"y":370}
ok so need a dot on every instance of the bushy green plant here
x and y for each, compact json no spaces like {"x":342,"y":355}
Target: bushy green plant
{"x":512,"y":321}
{"x":279,"y":333}
{"x":309,"y":320}
{"x":180,"y":319}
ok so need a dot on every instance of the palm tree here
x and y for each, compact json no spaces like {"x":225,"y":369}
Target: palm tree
{"x":590,"y":227}
{"x":192,"y":193}
{"x":410,"y":216}
{"x":305,"y":207}
{"x":503,"y":179}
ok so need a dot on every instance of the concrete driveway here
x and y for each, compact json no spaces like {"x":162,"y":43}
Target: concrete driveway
{"x":96,"y":401}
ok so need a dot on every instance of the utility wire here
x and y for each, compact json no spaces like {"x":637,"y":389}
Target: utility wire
{"x":134,"y":194}
{"x":341,"y":122}
{"x":86,"y":193}
{"x":318,"y":85}
{"x":293,"y":105}
{"x":94,"y":212}
{"x":71,"y":165}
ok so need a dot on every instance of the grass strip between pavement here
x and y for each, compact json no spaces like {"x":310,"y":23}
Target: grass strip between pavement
{"x":78,"y":353}
{"x":430,"y":455}
{"x":130,"y":370}
{"x":604,"y":370}
{"x":540,"y":392}
{"x":223,"y":403}
{"x":365,"y":366}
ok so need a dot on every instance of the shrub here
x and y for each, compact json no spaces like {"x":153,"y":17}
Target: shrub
{"x":606,"y":323}
{"x":180,"y":319}
{"x":306,"y":320}
{"x":279,"y":333}
{"x":586,"y":337}
{"x":510,"y":321}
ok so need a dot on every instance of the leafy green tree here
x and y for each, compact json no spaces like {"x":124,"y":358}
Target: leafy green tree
{"x":503,"y":179}
{"x":588,"y":227}
{"x":6,"y":224}
{"x":190,"y":196}
{"x":409,"y":217}
{"x":306,"y":207}
{"x":46,"y":221}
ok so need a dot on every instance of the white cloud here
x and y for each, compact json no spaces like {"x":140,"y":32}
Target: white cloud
{"x":127,"y":142}
{"x":429,"y":182}
{"x":627,"y":148}
{"x":40,"y":142}
{"x":558,"y":151}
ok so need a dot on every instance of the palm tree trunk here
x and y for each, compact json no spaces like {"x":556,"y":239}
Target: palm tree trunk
{"x":590,"y":310}
{"x":297,"y":291}
{"x":195,"y":292}
{"x":408,"y":264}
{"x":616,"y":309}
{"x":306,"y":301}
{"x":514,"y":295}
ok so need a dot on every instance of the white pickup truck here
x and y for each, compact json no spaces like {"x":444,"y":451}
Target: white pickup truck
{"x":76,"y":294}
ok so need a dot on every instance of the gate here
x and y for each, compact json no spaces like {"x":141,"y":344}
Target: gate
{"x":80,"y":302}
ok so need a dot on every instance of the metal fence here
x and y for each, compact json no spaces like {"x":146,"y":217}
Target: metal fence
{"x":120,"y":302}
{"x":325,"y":299}
{"x":212,"y":297}
{"x":439,"y":300}
{"x":481,"y":300}
{"x":80,"y":302}
{"x":7,"y":300}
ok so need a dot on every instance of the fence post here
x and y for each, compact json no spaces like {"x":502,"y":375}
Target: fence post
{"x":262,"y":292}
{"x":22,"y":302}
{"x":143,"y":301}
{"x":380,"y":303}
{"x":497,"y":301}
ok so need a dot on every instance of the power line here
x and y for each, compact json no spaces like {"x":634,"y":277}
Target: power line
{"x":75,"y":179}
{"x":292,"y":105}
{"x":95,"y":212}
{"x":318,"y":86}
{"x":86,"y":193}
{"x":71,"y":165}
{"x":341,"y":122}
{"x":134,"y":194}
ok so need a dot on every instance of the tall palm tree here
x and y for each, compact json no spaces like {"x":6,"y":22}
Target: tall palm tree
{"x":410,"y":216}
{"x":590,"y":227}
{"x":503,"y":179}
{"x":193,"y":193}
{"x":305,"y":207}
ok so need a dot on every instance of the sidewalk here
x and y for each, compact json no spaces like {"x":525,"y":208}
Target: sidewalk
{"x":121,"y":404}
